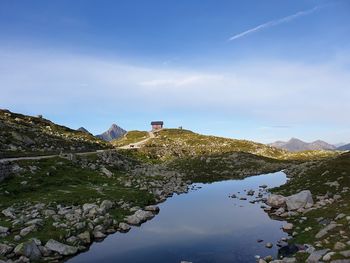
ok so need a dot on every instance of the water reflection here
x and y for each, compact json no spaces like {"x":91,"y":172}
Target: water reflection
{"x":201,"y":226}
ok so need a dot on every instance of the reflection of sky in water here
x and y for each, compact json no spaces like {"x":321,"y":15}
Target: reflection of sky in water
{"x":202,"y":226}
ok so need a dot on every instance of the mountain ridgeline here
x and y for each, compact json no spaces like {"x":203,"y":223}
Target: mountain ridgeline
{"x":296,"y":145}
{"x":114,"y":132}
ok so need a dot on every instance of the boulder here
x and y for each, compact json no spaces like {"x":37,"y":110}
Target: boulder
{"x":106,"y":205}
{"x":276,"y":201}
{"x":60,"y":248}
{"x":27,"y":230}
{"x":302,"y":199}
{"x":4,"y":230}
{"x":152,"y":208}
{"x":287,"y":227}
{"x":124,"y":227}
{"x":5,"y":249}
{"x":316,"y":256}
{"x":85,"y":237}
{"x":139,"y":217}
{"x":28,"y":249}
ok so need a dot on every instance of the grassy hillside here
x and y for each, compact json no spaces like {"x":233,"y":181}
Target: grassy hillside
{"x":175,"y":143}
{"x":22,"y":135}
{"x":130,"y":137}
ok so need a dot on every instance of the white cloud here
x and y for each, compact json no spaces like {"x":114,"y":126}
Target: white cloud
{"x":274,"y":23}
{"x":268,"y":91}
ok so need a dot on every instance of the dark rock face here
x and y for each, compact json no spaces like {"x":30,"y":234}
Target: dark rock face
{"x":295,"y":145}
{"x":112,"y":133}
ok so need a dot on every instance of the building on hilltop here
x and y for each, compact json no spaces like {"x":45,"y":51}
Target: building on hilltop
{"x":157,"y":125}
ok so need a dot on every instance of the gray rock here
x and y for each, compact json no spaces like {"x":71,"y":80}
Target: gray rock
{"x":345,"y":253}
{"x":325,"y":230}
{"x":4,"y":230}
{"x":106,"y":205}
{"x":5,"y":249}
{"x":287,"y":227}
{"x":339,"y":246}
{"x":302,"y":199}
{"x":139,"y":217}
{"x":124,"y":227}
{"x":316,"y":256}
{"x":85,"y":237}
{"x":27,"y":230}
{"x":88,"y":207}
{"x":276,"y":201}
{"x":152,"y":208}
{"x":28,"y":249}
{"x":269,"y":245}
{"x":36,"y":221}
{"x":341,"y":261}
{"x":60,"y":248}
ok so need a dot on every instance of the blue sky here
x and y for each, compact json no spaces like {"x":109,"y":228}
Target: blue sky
{"x":259,"y":70}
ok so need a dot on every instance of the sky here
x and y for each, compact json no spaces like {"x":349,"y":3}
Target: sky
{"x":258,"y":70}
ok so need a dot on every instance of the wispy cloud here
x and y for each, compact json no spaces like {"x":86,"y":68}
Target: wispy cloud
{"x":274,"y":23}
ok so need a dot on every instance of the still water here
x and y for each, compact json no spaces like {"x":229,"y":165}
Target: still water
{"x":204,"y":225}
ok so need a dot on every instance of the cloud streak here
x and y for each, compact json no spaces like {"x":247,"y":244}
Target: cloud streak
{"x":274,"y":23}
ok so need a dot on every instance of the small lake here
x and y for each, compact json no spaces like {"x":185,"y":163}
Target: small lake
{"x":204,"y":225}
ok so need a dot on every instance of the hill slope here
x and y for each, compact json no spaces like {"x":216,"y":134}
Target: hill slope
{"x":176,"y":143}
{"x":345,"y":147}
{"x":27,"y":135}
{"x":130,"y":137}
{"x":295,"y":145}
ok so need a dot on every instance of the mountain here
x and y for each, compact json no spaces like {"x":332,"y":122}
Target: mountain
{"x":23,"y":135}
{"x":82,"y":129}
{"x":112,"y":133}
{"x":296,"y":145}
{"x":345,"y":147}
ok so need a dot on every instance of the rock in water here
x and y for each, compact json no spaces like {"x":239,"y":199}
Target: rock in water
{"x":139,"y":217}
{"x":302,"y":199}
{"x":60,"y":248}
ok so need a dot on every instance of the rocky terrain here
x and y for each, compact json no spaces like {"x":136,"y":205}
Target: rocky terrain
{"x":315,"y":202}
{"x":22,"y":135}
{"x":114,"y":132}
{"x":296,"y":145}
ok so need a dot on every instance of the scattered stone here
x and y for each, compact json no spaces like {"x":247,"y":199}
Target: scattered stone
{"x":324,"y":231}
{"x":28,"y":249}
{"x":5,"y":249}
{"x":269,"y":245}
{"x":60,"y":248}
{"x":316,"y":256}
{"x":139,"y":217}
{"x":287,"y":227}
{"x":339,"y":246}
{"x":124,"y":227}
{"x":85,"y":237}
{"x":27,"y":230}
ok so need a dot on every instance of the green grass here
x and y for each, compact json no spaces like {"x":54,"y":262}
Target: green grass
{"x":130,"y":137}
{"x":171,"y":144}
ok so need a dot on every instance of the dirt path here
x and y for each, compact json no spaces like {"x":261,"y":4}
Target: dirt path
{"x":138,"y":144}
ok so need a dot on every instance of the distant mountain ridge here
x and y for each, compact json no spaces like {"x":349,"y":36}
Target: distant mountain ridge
{"x":112,"y":133}
{"x":296,"y":145}
{"x":345,"y":147}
